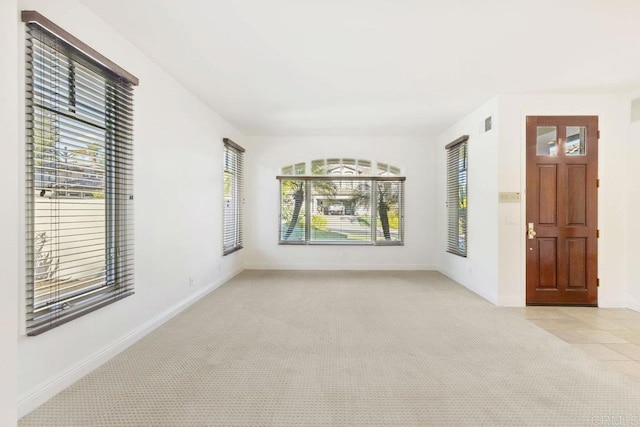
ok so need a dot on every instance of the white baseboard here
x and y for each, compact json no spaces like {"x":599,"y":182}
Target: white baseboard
{"x":612,"y":302}
{"x":309,"y":266}
{"x":511,"y":301}
{"x":633,"y":304}
{"x":476,"y":290}
{"x":49,"y":389}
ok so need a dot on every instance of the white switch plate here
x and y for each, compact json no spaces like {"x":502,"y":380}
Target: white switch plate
{"x":506,"y":197}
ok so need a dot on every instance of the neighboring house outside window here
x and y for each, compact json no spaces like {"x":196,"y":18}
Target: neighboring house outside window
{"x":233,"y":203}
{"x":79,"y":185}
{"x":457,"y":162}
{"x":342,"y":201}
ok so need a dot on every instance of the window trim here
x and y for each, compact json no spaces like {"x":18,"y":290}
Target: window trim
{"x":340,"y":178}
{"x":454,"y":212}
{"x":308,"y":179}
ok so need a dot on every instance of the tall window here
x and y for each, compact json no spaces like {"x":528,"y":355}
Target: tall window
{"x":343,"y":201}
{"x":457,"y":196}
{"x":233,"y":196}
{"x":79,"y":164}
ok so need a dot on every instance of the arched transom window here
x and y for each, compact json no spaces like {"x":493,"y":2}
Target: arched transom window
{"x":342,"y":167}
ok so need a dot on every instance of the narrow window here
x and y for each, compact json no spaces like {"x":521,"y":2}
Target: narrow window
{"x":79,"y":178}
{"x":457,"y":196}
{"x":233,"y":197}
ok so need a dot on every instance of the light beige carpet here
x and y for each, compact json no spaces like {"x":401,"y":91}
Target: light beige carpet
{"x":345,"y":348}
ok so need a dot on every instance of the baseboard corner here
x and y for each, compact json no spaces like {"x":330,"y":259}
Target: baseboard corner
{"x":633,"y":304}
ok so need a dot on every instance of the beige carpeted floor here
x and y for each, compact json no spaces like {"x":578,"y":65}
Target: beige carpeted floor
{"x":346,"y":348}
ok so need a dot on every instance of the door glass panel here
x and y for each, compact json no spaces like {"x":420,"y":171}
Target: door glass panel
{"x":547,"y":141}
{"x":576,"y":144}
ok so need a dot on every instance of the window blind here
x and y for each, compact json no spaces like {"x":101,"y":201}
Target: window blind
{"x":232,"y":233}
{"x":79,"y":180}
{"x":457,"y":196}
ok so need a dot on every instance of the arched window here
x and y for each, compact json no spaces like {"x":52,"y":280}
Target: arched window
{"x":342,"y":201}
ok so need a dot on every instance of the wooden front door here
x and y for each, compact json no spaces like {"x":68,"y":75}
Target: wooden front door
{"x":562,"y":194}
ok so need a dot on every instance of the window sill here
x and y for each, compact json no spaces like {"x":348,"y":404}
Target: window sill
{"x":303,"y":243}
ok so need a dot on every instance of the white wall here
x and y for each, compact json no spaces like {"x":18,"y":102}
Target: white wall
{"x":266,"y":155}
{"x":632,"y":151}
{"x":9,"y":210}
{"x":479,"y":270}
{"x":178,"y":209}
{"x":511,"y":178}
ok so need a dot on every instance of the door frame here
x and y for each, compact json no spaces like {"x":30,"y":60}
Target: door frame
{"x":592,"y":258}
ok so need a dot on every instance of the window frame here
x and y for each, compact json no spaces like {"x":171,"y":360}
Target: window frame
{"x":321,"y":171}
{"x":457,"y":184}
{"x":62,"y":299}
{"x":233,"y":213}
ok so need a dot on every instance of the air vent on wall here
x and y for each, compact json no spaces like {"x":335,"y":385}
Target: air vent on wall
{"x":487,"y":124}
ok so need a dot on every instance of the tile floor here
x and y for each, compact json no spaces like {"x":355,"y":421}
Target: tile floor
{"x":611,"y":335}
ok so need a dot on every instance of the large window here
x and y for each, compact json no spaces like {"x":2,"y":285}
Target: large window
{"x":342,"y":201}
{"x":79,"y":172}
{"x":457,"y":196}
{"x":233,"y":196}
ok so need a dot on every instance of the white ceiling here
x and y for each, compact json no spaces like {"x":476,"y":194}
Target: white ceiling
{"x":378,"y":67}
